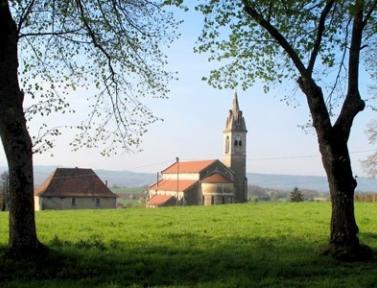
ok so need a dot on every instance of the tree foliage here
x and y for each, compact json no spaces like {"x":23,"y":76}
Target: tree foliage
{"x":370,"y":163}
{"x":249,"y":52}
{"x":296,"y":195}
{"x":114,"y":48}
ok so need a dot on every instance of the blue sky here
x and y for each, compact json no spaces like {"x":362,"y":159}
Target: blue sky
{"x":194,"y":118}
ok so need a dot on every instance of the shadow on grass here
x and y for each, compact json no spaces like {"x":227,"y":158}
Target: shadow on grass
{"x":231,"y":262}
{"x":369,"y":235}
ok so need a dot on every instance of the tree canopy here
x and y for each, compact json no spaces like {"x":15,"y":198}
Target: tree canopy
{"x":315,"y":39}
{"x":116,"y":48}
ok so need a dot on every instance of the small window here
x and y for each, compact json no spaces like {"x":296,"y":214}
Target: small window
{"x":98,"y":202}
{"x":73,"y":201}
{"x":240,"y":143}
{"x":235,"y":143}
{"x":227,"y":144}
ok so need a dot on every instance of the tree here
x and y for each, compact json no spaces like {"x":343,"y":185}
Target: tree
{"x":4,"y":177}
{"x":370,"y":163}
{"x":296,"y":195}
{"x":312,"y":41}
{"x":49,"y":48}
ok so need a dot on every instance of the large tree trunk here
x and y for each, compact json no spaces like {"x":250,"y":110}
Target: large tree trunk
{"x":16,"y":142}
{"x":344,"y":243}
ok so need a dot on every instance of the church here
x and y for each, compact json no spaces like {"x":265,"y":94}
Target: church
{"x":207,"y":182}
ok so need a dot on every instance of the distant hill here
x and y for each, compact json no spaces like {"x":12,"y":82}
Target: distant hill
{"x":119,"y":178}
{"x":274,"y":181}
{"x":318,"y":183}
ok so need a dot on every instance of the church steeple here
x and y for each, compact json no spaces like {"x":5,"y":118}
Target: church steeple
{"x":235,"y":149}
{"x":235,"y":120}
{"x":236,"y":107}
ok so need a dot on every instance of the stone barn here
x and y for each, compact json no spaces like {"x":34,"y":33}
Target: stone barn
{"x":73,"y":188}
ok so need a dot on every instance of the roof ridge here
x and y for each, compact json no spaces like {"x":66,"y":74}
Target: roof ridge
{"x":68,"y":184}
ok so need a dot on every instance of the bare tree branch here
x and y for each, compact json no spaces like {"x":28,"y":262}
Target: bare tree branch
{"x":321,"y":29}
{"x":94,"y":38}
{"x":52,"y":33}
{"x":25,"y":13}
{"x":341,"y":67}
{"x":369,"y":12}
{"x":249,"y":9}
{"x":353,"y":103}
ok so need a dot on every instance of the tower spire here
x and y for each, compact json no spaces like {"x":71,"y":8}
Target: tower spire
{"x":236,"y":107}
{"x":235,"y":120}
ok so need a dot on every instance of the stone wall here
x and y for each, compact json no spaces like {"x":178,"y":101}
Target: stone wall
{"x":217,"y":193}
{"x":60,"y":203}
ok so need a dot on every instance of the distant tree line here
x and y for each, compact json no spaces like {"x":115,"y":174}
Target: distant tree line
{"x":366,"y":197}
{"x":257,"y":193}
{"x":130,"y":196}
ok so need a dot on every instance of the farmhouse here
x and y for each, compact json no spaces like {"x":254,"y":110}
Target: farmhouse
{"x":207,"y":182}
{"x":73,"y":188}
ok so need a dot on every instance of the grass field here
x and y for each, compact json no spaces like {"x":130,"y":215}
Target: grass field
{"x":130,"y":196}
{"x":252,"y":245}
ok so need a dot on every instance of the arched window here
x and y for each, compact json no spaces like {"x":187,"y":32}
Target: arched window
{"x":227,"y":144}
{"x":238,"y":142}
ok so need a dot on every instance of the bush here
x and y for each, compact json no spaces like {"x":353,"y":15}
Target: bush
{"x":296,"y":195}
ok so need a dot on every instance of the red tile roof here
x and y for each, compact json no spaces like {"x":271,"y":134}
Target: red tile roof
{"x":216,"y":178}
{"x":188,"y":166}
{"x":160,"y":199}
{"x":171,"y":185}
{"x":73,"y":182}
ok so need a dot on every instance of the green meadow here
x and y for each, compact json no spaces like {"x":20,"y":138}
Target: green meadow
{"x":250,"y":245}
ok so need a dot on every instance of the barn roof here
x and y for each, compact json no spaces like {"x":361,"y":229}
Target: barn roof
{"x":73,"y":182}
{"x":188,"y":167}
{"x":160,"y":199}
{"x":173,"y":185}
{"x":217,"y":178}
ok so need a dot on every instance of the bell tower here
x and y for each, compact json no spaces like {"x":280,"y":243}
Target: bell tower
{"x":235,"y":149}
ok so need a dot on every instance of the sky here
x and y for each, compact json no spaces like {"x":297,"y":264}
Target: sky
{"x":194,"y":118}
